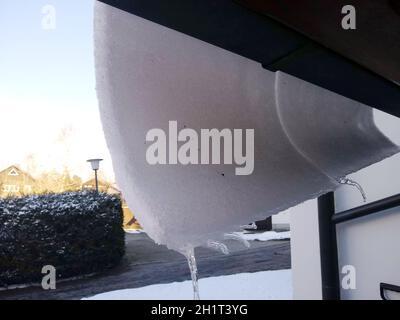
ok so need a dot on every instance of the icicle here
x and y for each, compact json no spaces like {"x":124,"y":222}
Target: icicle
{"x":237,"y":237}
{"x":218,"y":246}
{"x":354,"y":184}
{"x":193,"y":272}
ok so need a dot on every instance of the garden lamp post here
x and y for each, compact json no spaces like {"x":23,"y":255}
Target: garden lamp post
{"x":95,"y":163}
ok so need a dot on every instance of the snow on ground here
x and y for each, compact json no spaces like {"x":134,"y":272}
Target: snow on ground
{"x":264,"y":285}
{"x":264,"y":236}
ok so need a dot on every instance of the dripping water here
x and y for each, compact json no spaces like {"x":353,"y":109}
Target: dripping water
{"x":193,"y":272}
{"x":354,"y":184}
{"x":237,"y":237}
{"x":218,"y":246}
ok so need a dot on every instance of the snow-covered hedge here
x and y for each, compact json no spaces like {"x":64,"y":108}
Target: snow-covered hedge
{"x":76,"y":232}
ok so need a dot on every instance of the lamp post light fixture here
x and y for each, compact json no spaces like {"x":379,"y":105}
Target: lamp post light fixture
{"x":95,"y":163}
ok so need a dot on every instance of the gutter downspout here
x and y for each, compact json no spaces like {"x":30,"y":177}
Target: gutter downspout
{"x":328,"y":248}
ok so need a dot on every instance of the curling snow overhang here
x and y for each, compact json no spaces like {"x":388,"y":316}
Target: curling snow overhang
{"x":300,"y":139}
{"x":362,"y":65}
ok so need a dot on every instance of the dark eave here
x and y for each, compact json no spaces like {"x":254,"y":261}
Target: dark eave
{"x":301,"y":37}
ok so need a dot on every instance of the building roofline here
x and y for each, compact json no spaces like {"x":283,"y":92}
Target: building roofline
{"x":19,"y":169}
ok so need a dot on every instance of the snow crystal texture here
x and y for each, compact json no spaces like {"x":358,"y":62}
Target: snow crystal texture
{"x":148,"y":75}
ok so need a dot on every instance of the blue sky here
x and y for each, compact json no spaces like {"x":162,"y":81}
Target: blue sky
{"x":47,"y":62}
{"x":47,"y":87}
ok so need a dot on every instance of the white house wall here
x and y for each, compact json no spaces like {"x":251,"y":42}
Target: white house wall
{"x":370,"y":244}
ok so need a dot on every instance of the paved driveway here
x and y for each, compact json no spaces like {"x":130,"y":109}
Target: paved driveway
{"x":146,"y":263}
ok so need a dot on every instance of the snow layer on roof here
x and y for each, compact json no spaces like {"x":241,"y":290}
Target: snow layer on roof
{"x":335,"y":133}
{"x":148,"y":75}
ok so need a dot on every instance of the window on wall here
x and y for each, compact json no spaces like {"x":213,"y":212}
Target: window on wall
{"x":13,"y":172}
{"x":11,"y":188}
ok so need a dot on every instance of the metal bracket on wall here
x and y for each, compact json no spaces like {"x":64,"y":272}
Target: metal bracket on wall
{"x":387,"y":287}
{"x":328,"y":220}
